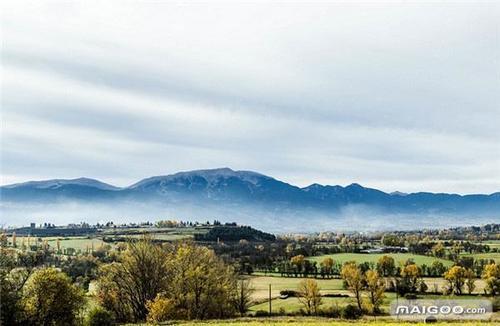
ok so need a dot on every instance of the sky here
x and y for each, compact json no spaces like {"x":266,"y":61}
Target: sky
{"x":393,"y":96}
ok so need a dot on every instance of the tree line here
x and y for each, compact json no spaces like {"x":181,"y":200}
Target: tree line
{"x":145,"y":282}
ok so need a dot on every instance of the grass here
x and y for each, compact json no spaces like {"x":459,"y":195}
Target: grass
{"x":491,"y":243}
{"x":327,"y":286}
{"x":165,"y":236}
{"x":78,"y":243}
{"x":261,"y":285}
{"x":373,"y":258}
{"x":293,"y":304}
{"x":82,"y":242}
{"x":310,"y":321}
{"x":490,"y":255}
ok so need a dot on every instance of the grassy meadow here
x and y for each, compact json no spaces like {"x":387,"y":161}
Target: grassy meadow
{"x":487,"y":255}
{"x":78,"y":243}
{"x":310,"y":321}
{"x":327,"y":286}
{"x":373,"y":258}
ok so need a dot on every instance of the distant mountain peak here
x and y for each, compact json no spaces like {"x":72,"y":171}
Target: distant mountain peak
{"x":57,"y":183}
{"x":208,"y":174}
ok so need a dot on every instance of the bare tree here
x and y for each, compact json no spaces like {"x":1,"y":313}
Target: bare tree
{"x":243,"y":296}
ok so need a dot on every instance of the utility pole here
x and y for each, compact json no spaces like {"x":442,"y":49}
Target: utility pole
{"x":270,"y":311}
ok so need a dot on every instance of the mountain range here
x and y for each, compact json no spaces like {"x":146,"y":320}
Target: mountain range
{"x":243,"y":194}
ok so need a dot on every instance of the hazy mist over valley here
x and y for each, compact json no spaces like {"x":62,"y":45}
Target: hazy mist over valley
{"x":244,"y":197}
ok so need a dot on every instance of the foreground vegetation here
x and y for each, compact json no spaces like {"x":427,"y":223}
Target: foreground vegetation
{"x":308,"y":321}
{"x":141,"y":277}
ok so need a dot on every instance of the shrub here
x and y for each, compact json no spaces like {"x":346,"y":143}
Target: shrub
{"x":289,"y":293}
{"x":496,"y":304}
{"x":335,"y":295}
{"x":261,"y":313}
{"x":50,"y":298}
{"x":99,"y":317}
{"x":422,"y":287}
{"x":410,"y":296}
{"x":332,"y":312}
{"x":160,"y":309}
{"x":350,"y":312}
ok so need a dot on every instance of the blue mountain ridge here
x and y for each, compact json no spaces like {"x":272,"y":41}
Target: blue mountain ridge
{"x":225,"y":186}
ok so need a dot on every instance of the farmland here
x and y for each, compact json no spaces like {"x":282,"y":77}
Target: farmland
{"x":111,"y":237}
{"x":77,"y":243}
{"x":373,"y":258}
{"x":313,"y":321}
{"x":292,"y":305}
{"x":487,"y":255}
{"x":278,"y":264}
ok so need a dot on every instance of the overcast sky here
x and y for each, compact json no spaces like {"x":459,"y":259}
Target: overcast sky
{"x":395,"y":96}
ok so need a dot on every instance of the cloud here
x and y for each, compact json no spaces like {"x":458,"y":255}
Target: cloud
{"x":390,"y":96}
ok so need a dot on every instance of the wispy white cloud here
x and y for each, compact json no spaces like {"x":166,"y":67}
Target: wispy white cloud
{"x":400,"y":97}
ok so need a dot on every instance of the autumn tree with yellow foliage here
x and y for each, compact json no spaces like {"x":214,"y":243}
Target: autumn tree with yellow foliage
{"x":309,"y":296}
{"x":491,"y":276}
{"x":376,"y":288}
{"x":161,"y":282}
{"x":354,"y":279}
{"x":49,"y":298}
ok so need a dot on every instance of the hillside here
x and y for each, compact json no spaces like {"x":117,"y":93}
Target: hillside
{"x":243,"y":196}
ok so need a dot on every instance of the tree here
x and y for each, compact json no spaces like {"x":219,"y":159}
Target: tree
{"x":99,"y":316}
{"x":354,"y":279}
{"x":386,"y":266}
{"x":376,"y":288}
{"x":9,"y":299}
{"x":309,"y":295}
{"x":438,"y":250}
{"x":49,"y":298}
{"x":410,"y":277}
{"x":160,"y":309}
{"x":392,"y":240}
{"x":127,"y":286}
{"x":491,"y":276}
{"x":200,"y":284}
{"x":243,"y":296}
{"x":437,"y":268}
{"x":327,"y":266}
{"x":456,"y":279}
{"x":298,"y":263}
{"x":470,"y":280}
{"x":194,"y":282}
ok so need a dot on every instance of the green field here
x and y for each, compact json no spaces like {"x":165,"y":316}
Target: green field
{"x":373,"y":258}
{"x":261,"y":285}
{"x":293,"y":304}
{"x":78,"y":243}
{"x":84,"y":242}
{"x":491,"y":243}
{"x":490,"y":255}
{"x":311,"y":321}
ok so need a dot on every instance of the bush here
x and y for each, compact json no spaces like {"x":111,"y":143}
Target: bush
{"x":350,"y":312}
{"x":50,"y":297}
{"x":160,"y":309}
{"x":422,"y":287}
{"x":335,"y":295}
{"x":332,"y":312}
{"x":496,"y":304}
{"x":289,"y":293}
{"x":261,"y":313}
{"x":99,"y":317}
